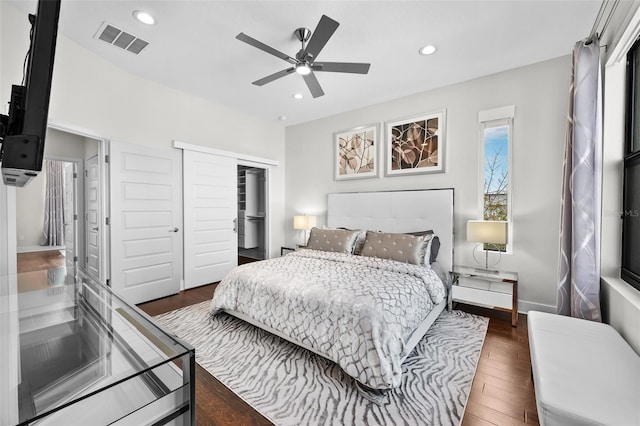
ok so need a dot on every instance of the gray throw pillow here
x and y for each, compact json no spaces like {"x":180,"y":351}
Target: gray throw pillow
{"x":400,"y":247}
{"x":434,"y":246}
{"x":333,"y":240}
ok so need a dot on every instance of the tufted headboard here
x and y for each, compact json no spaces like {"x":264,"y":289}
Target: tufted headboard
{"x":398,"y":211}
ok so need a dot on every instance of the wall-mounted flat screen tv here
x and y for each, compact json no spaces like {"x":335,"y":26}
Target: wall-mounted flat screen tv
{"x":23,"y":130}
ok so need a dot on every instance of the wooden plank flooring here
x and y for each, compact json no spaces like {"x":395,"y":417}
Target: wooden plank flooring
{"x":502,"y":391}
{"x":33,"y":267}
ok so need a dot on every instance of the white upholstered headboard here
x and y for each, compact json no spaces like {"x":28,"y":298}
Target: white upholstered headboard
{"x":398,"y":211}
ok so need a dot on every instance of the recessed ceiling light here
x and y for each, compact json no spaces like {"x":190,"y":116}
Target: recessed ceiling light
{"x":144,"y":17}
{"x":427,"y":50}
{"x":282,"y":117}
{"x":297,"y":96}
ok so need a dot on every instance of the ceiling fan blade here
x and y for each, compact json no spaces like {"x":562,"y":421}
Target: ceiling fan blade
{"x":350,"y":67}
{"x":313,"y":85}
{"x":274,"y":76}
{"x":320,"y":36}
{"x":260,"y":45}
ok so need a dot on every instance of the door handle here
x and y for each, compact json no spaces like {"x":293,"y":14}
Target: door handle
{"x":174,"y":229}
{"x":94,"y":229}
{"x":235,"y":225}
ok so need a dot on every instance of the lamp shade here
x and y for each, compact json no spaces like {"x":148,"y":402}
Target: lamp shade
{"x":487,"y":231}
{"x":304,"y":222}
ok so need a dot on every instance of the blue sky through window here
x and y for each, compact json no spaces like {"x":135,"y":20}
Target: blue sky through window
{"x":496,"y":145}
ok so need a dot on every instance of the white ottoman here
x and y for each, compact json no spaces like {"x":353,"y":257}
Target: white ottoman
{"x":584,"y":372}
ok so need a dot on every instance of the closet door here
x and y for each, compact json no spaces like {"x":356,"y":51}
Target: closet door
{"x":146,"y":221}
{"x":210,"y":217}
{"x":70,"y":218}
{"x":94,"y":218}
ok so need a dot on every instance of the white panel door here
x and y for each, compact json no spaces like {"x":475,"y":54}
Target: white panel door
{"x":210,"y":217}
{"x":93,"y":217}
{"x":70,"y":218}
{"x":146,"y":217}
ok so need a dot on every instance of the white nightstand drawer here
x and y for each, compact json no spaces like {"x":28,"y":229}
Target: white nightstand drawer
{"x":478,"y":296}
{"x":488,"y":288}
{"x":485,"y":284}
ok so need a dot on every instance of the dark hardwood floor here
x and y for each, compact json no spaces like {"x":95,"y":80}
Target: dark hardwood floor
{"x":33,"y":269}
{"x":502,"y":391}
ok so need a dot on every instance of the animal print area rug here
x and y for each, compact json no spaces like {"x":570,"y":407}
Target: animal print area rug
{"x":292,"y":386}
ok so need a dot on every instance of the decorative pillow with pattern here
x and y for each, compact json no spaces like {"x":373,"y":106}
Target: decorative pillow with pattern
{"x":332,"y":240}
{"x":400,"y":247}
{"x":434,"y":247}
{"x":362,"y":235}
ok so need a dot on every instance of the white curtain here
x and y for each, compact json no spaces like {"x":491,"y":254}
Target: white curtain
{"x":579,"y":268}
{"x":53,"y":228}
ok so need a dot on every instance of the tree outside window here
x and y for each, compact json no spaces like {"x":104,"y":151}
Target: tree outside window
{"x":496,"y":176}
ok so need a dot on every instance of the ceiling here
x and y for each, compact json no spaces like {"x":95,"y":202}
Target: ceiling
{"x":193,"y":47}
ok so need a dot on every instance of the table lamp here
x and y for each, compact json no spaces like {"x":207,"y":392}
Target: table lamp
{"x":487,"y":232}
{"x":304,"y":223}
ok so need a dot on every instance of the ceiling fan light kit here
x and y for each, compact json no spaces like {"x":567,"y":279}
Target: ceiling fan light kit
{"x":303,"y":69}
{"x":304,"y":62}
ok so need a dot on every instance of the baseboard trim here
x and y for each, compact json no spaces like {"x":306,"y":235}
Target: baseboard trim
{"x":525,"y":306}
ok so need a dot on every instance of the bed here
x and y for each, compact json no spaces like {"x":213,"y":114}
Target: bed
{"x":364,"y":311}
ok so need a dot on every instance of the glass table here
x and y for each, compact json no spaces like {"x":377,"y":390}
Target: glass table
{"x":78,"y":354}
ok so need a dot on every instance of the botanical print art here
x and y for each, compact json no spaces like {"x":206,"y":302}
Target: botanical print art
{"x":416,"y":145}
{"x":356,"y":153}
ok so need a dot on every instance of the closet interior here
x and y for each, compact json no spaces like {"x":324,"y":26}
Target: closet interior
{"x":251,"y":212}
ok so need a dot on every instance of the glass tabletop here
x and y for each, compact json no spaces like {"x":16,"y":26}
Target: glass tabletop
{"x":81,"y":352}
{"x":481,"y":272}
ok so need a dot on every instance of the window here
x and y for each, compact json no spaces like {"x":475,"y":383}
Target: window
{"x":495,"y":168}
{"x":630,"y":271}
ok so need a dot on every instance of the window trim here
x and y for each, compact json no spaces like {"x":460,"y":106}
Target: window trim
{"x":631,"y":157}
{"x":497,"y":117}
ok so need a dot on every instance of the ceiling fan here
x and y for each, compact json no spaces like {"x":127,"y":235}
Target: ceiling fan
{"x":304,"y":62}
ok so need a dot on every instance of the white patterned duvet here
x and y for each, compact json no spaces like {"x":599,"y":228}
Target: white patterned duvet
{"x":359,"y":311}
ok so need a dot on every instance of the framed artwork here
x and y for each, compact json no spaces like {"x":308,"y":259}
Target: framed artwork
{"x":356,"y":153}
{"x":416,"y":145}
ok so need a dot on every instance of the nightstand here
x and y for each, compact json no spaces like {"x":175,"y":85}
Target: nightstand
{"x":495,"y":290}
{"x":285,"y":250}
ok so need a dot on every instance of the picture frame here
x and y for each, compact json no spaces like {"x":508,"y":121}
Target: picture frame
{"x":356,"y":153}
{"x":416,"y":145}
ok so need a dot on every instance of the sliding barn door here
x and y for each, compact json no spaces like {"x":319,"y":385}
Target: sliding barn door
{"x":210,"y":212}
{"x":146,"y":217}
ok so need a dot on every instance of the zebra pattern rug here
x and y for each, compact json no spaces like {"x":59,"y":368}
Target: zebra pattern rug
{"x":292,"y":386}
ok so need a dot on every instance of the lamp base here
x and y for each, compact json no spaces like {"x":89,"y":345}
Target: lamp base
{"x":487,"y":271}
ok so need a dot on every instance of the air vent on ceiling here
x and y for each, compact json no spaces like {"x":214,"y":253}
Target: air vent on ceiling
{"x":122,"y":39}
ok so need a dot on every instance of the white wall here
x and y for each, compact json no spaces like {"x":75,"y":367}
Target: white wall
{"x":9,"y":321}
{"x":540,"y":95}
{"x":30,"y":200}
{"x":94,"y":97}
{"x":30,"y":212}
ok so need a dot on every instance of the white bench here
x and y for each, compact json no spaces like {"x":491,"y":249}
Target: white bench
{"x":584,"y":372}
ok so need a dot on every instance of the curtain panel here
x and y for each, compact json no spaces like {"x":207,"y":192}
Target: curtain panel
{"x":53,"y":227}
{"x":579,"y":266}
